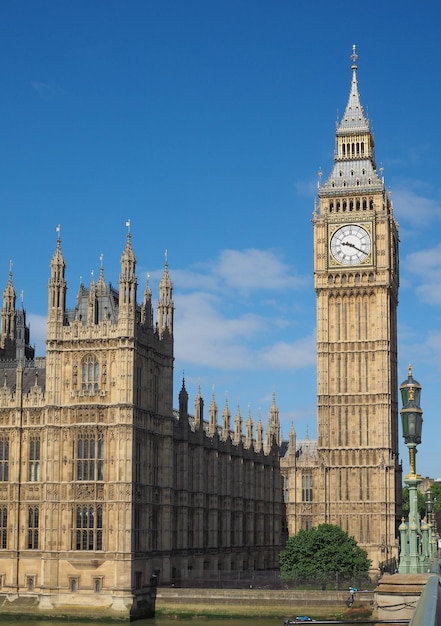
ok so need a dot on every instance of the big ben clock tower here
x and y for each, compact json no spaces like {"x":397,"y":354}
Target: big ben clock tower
{"x":356,"y":281}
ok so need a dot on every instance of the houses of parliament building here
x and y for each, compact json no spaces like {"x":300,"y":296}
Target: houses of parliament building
{"x":104,"y":484}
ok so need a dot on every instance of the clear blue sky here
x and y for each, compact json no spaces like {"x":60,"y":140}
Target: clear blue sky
{"x":205,"y":123}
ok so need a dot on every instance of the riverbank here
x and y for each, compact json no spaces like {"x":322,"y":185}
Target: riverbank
{"x":248,"y":603}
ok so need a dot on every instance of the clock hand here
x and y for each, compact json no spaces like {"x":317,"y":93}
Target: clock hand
{"x":351,"y":245}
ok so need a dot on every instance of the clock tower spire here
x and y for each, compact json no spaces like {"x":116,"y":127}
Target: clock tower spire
{"x":356,"y":283}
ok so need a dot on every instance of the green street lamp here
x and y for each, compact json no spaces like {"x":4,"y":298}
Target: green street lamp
{"x":430,"y":521}
{"x":415,"y":550}
{"x":412,"y":424}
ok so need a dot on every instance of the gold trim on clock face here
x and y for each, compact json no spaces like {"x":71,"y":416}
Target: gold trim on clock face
{"x":350,"y":244}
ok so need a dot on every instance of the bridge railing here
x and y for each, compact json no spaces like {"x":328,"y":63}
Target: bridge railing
{"x":428,"y":609}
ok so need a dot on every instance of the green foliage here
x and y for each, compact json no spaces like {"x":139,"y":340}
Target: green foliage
{"x":435,"y":488}
{"x":320,"y":551}
{"x":421,"y":503}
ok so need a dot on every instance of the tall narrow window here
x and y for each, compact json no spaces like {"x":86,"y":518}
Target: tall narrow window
{"x":33,"y":521}
{"x":89,"y":528}
{"x":306,"y":523}
{"x":90,"y":373}
{"x":307,"y":487}
{"x":90,"y":452}
{"x":138,"y":462}
{"x":137,"y":530}
{"x":34,"y":458}
{"x":155,"y":527}
{"x":154,"y":449}
{"x":4,"y":459}
{"x":3,"y":527}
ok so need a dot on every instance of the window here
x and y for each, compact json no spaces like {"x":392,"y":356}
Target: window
{"x":33,"y":519}
{"x":73,"y":584}
{"x":4,"y":459}
{"x":155,"y":527}
{"x":307,"y":488}
{"x":137,"y":530}
{"x":34,"y":458}
{"x":97,"y":584}
{"x":31,"y":583}
{"x":90,"y":451}
{"x":90,"y":373}
{"x":138,"y":580}
{"x":285,"y":483}
{"x":3,"y":527}
{"x":89,"y":528}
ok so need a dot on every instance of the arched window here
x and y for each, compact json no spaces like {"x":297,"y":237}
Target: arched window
{"x":34,"y":458}
{"x":306,"y":487}
{"x":4,"y":458}
{"x":89,"y":528}
{"x":33,"y":522}
{"x":90,"y":373}
{"x":90,"y":454}
{"x":3,"y":527}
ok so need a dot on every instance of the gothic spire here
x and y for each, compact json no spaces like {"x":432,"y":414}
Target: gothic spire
{"x":199,"y":410}
{"x":101,"y":288}
{"x":354,"y":158}
{"x":238,"y":426}
{"x":292,"y":440}
{"x":165,"y":304}
{"x":183,"y":402}
{"x":212,"y":425}
{"x":8,"y":310}
{"x":57,"y":284}
{"x":226,"y":416}
{"x":127,"y":279}
{"x":354,"y":118}
{"x":259,"y":435}
{"x":249,"y":430}
{"x":146,"y":308}
{"x":273,"y":431}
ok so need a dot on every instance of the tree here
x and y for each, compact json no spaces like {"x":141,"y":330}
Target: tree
{"x":321,"y":551}
{"x":435,"y":488}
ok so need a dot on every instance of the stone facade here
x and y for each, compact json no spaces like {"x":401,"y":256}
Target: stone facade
{"x":102,"y":483}
{"x":351,"y":476}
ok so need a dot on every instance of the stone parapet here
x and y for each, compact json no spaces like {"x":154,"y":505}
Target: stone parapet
{"x":397,"y":595}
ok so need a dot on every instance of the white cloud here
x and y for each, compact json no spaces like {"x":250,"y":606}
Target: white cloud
{"x":213,"y":327}
{"x":296,"y":355}
{"x":241,"y":271}
{"x":426,"y":265}
{"x":416,"y":209}
{"x":253,"y":269}
{"x":205,"y":337}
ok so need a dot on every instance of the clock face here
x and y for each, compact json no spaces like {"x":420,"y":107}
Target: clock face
{"x":351,"y":244}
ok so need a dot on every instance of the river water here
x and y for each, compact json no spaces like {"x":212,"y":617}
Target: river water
{"x":23,"y":621}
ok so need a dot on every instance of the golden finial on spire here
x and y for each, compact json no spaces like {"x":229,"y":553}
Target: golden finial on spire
{"x":354,"y":57}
